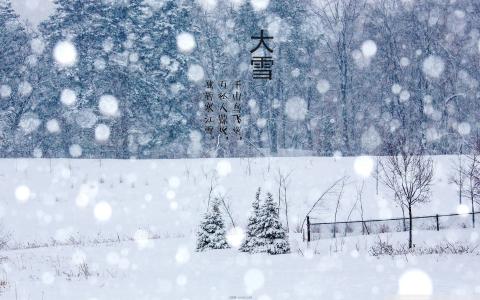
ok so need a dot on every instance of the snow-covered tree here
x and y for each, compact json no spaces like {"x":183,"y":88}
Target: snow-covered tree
{"x":15,"y":86}
{"x":211,"y":232}
{"x":273,"y":236}
{"x":252,"y":241}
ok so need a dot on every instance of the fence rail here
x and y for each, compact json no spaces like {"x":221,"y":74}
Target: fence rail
{"x":321,"y":230}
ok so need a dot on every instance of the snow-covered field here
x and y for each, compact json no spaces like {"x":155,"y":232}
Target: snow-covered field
{"x":81,"y":209}
{"x":170,"y":269}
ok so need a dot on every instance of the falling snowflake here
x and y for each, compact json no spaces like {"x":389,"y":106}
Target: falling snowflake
{"x":102,"y":211}
{"x":404,"y":96}
{"x":207,"y":5}
{"x":174,"y":182}
{"x":22,"y":193}
{"x":404,"y":62}
{"x":142,"y":239}
{"x":371,"y":139}
{"x":259,"y":5}
{"x":68,"y":97}
{"x":363,"y":166}
{"x":186,"y":42}
{"x":37,"y":45}
{"x":235,"y":237}
{"x":464,"y":128}
{"x":5,"y":91}
{"x":369,"y":48}
{"x":65,"y":54}
{"x":195,"y":73}
{"x":75,"y":150}
{"x":396,"y":88}
{"x":108,"y":105}
{"x":25,"y":89}
{"x":48,"y":278}
{"x":463,"y":209}
{"x":102,"y":133}
{"x":296,"y":109}
{"x":433,"y":66}
{"x":415,"y":283}
{"x":53,"y":126}
{"x":29,"y":123}
{"x":183,"y":255}
{"x":224,"y":168}
{"x":323,"y":86}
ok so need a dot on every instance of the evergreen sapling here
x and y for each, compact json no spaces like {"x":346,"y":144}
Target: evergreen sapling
{"x":211,"y":234}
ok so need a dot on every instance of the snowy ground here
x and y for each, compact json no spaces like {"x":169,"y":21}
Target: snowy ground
{"x":170,"y":269}
{"x":91,"y":204}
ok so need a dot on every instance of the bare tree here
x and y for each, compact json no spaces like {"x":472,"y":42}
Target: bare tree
{"x":223,"y":199}
{"x":471,"y":173}
{"x":283,"y":182}
{"x":337,"y":207}
{"x":409,"y":176}
{"x":458,"y":176}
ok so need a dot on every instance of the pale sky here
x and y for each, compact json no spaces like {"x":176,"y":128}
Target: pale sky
{"x":33,"y":10}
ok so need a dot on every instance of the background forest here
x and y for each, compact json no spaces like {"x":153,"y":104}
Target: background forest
{"x":350,"y":77}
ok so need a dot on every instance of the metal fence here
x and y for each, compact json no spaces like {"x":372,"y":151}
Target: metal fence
{"x":321,"y":230}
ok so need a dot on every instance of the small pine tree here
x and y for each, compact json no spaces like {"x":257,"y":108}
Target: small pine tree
{"x":252,"y":242}
{"x":211,"y":234}
{"x":271,"y":231}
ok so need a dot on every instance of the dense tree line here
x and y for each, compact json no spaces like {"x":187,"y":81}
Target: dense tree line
{"x":349,"y":77}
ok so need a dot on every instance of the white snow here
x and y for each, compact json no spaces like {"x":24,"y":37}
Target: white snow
{"x":5,"y":91}
{"x":37,"y":45}
{"x":183,"y":255}
{"x":371,"y":139}
{"x":323,"y":86}
{"x":25,"y":88}
{"x":464,"y":128}
{"x":186,"y":42}
{"x":75,"y":150}
{"x":68,"y":97}
{"x":102,"y":211}
{"x":404,"y":62}
{"x":65,"y":54}
{"x":235,"y":237}
{"x":396,"y":88}
{"x":433,"y":66}
{"x":369,"y":48}
{"x":363,"y":166}
{"x":208,"y":5}
{"x":259,"y":5}
{"x":463,"y":209}
{"x":108,"y":105}
{"x":296,"y":108}
{"x":29,"y":123}
{"x":415,"y":283}
{"x":22,"y":193}
{"x":53,"y":126}
{"x":195,"y":73}
{"x":102,"y":133}
{"x":404,"y":96}
{"x":224,"y":167}
{"x":174,"y":182}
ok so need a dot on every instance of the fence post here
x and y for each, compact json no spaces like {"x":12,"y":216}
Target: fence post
{"x":438,"y":225}
{"x":308,"y":229}
{"x":363,"y":228}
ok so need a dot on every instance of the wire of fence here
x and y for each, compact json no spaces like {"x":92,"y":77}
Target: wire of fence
{"x":324,"y":230}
